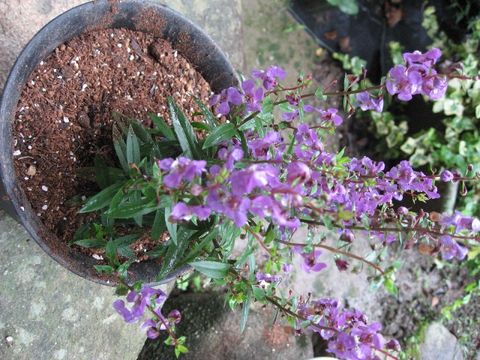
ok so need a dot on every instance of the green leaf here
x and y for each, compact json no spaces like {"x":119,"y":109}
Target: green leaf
{"x":259,"y":293}
{"x":104,"y":269}
{"x":171,"y":227}
{"x":245,"y":311}
{"x":133,"y":147}
{"x":125,"y":240}
{"x":201,"y":126}
{"x":121,"y":290}
{"x":219,"y":134}
{"x":91,"y":243}
{"x":319,"y":94}
{"x":163,"y":127}
{"x":203,"y":243}
{"x":141,"y":132}
{"x":175,"y":251}
{"x":111,"y":253}
{"x":477,"y":111}
{"x":212,"y":269}
{"x":117,"y":145}
{"x":101,"y":200}
{"x":184,"y":131}
{"x":159,"y":225}
{"x":131,"y":210}
{"x":209,"y":117}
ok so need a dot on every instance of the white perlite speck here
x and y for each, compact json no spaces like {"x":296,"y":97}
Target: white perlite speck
{"x":17,"y":153}
{"x":44,"y":188}
{"x":66,"y":120}
{"x":44,"y":207}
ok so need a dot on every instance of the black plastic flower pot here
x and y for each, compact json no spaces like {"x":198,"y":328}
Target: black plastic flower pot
{"x":161,"y":22}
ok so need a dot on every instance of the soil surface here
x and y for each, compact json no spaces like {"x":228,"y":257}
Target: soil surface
{"x":64,"y":116}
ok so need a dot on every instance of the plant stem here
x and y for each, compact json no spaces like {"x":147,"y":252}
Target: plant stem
{"x":336,"y":251}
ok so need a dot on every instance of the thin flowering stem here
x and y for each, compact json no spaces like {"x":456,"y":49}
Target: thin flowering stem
{"x":284,"y":309}
{"x":152,"y":310}
{"x":336,"y":251}
{"x":393,"y":229}
{"x":257,"y":237}
{"x":274,"y":301}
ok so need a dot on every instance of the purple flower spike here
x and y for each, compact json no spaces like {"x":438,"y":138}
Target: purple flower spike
{"x":367,"y":102}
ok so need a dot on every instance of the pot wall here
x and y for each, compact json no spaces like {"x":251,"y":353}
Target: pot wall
{"x":139,"y":15}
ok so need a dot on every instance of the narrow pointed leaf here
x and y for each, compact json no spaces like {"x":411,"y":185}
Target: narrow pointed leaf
{"x":184,"y":131}
{"x":133,"y":147}
{"x":219,"y":134}
{"x":101,"y":200}
{"x":162,"y":126}
{"x":212,"y":269}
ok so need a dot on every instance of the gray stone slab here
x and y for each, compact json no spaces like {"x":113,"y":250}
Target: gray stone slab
{"x":47,"y":312}
{"x":439,"y":343}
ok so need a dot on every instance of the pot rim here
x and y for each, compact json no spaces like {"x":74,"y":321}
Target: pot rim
{"x":200,"y":51}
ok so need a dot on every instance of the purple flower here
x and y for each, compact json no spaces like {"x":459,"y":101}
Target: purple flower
{"x":253,"y":177}
{"x":402,"y":83}
{"x":182,"y":211}
{"x":298,"y":172}
{"x":253,"y":96}
{"x":140,"y":302}
{"x":267,"y":278}
{"x":225,"y":99}
{"x":342,"y":265}
{"x":451,"y":249}
{"x":181,"y":169}
{"x":260,"y":147}
{"x":368,"y":336}
{"x":331,"y":115}
{"x":310,"y":261}
{"x":429,"y":58}
{"x":367,"y":102}
{"x":230,"y":157}
{"x":446,"y":176}
{"x":343,"y":346}
{"x":270,"y":76}
{"x":290,"y":116}
{"x":435,"y":86}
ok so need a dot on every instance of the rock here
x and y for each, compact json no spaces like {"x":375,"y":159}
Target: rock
{"x":213,"y":332}
{"x":440,"y":344}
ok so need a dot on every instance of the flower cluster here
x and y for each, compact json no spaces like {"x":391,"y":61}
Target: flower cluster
{"x":250,"y":95}
{"x":348,"y":332}
{"x":417,"y":77}
{"x":150,"y":298}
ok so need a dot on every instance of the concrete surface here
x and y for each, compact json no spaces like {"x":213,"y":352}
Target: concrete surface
{"x":47,"y":312}
{"x":439,"y":343}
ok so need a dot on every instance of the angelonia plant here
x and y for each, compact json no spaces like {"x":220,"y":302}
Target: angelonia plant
{"x":250,"y":169}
